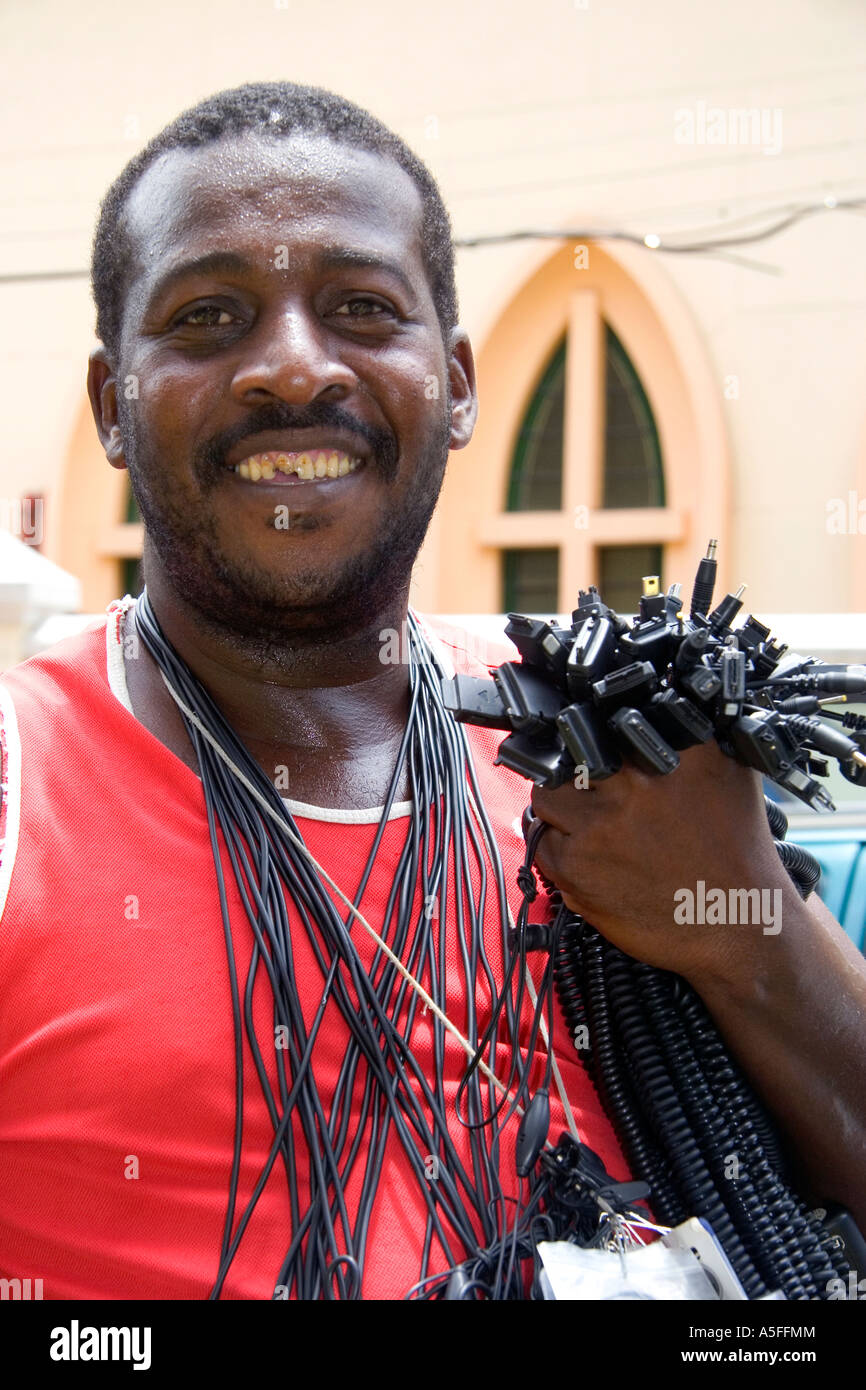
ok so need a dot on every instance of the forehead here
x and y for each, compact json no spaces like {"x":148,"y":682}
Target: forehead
{"x":260,"y":191}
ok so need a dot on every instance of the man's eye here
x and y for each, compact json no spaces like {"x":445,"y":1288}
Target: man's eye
{"x":363,"y":308}
{"x":207,"y":315}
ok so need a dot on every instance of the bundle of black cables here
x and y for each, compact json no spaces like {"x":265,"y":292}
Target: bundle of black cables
{"x":586,"y":695}
{"x":316,"y":1137}
{"x":688,"y":1120}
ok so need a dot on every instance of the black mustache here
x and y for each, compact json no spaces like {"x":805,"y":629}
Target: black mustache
{"x":323,"y":415}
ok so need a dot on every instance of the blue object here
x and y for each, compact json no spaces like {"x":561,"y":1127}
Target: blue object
{"x":842,"y":857}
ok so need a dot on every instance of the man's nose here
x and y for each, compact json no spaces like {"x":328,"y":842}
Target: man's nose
{"x":291,"y":356}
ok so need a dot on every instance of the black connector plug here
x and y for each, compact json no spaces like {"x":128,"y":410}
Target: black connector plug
{"x":630,"y":685}
{"x":850,"y":682}
{"x":474,"y":700}
{"x":705,"y":582}
{"x":722,"y":616}
{"x":532,"y":1133}
{"x":546,"y":765}
{"x":644,"y":745}
{"x":529,"y":698}
{"x":732,"y":669}
{"x":830,"y":741}
{"x":691,"y":649}
{"x":701,"y":684}
{"x":587,"y":742}
{"x":752,"y":633}
{"x":678,"y":721}
{"x":539,"y":643}
{"x":591,"y":655}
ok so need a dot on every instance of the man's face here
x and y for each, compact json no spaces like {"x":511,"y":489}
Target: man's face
{"x":279,"y":319}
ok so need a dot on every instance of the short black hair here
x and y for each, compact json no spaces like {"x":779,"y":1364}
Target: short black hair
{"x":273,"y":109}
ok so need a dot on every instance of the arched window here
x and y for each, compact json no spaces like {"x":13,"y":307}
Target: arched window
{"x":535,"y":484}
{"x":600,"y":452}
{"x":633,"y":472}
{"x":632,"y":476}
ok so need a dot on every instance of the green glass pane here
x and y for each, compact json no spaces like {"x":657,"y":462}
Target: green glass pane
{"x":132,"y":512}
{"x":535,"y":483}
{"x":530,"y":581}
{"x":633,"y":473}
{"x":620,"y":571}
{"x":131,"y":577}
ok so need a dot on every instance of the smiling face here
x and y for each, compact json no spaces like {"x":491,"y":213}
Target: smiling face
{"x":295,"y":400}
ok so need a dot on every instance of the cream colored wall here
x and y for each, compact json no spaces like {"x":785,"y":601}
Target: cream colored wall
{"x":554,"y":115}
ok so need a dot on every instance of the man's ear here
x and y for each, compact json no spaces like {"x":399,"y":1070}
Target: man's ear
{"x":102,"y":391}
{"x":464,"y":398}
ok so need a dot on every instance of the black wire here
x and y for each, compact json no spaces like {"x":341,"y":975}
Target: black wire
{"x":466,"y":1208}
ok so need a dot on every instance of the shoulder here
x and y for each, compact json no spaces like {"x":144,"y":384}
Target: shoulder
{"x":75,"y":654}
{"x":473,"y":650}
{"x":37,"y":692}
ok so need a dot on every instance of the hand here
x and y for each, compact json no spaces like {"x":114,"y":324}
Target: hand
{"x":621,"y":849}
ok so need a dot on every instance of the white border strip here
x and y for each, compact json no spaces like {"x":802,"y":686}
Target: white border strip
{"x":13,"y":791}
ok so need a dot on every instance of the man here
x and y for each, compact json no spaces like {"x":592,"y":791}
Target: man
{"x":282,"y":373}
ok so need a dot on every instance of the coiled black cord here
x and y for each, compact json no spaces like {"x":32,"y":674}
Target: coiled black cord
{"x":688,"y":1121}
{"x":777,"y":818}
{"x":777,"y":1208}
{"x":802,"y":866}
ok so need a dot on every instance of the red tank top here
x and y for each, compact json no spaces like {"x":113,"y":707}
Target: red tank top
{"x":117,"y":1084}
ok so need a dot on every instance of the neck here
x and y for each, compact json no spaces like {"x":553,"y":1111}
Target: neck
{"x":310,"y":692}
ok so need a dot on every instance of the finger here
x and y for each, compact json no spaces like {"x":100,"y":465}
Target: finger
{"x":552,"y":807}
